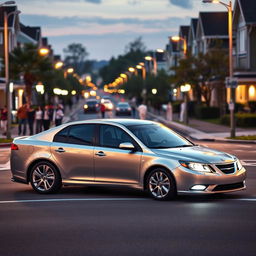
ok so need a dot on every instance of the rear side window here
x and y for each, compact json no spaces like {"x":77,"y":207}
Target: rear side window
{"x":81,"y":134}
{"x":62,"y":136}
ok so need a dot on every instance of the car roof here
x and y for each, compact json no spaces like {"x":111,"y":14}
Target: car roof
{"x":125,"y":122}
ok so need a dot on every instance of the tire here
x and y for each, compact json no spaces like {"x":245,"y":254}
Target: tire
{"x":161,"y":185}
{"x":45,"y":178}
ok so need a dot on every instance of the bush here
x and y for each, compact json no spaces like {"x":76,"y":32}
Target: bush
{"x":242,"y":120}
{"x":204,"y":112}
{"x":252,"y":106}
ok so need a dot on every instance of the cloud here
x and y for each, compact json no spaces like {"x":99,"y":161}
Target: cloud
{"x":94,"y":1}
{"x":182,"y":3}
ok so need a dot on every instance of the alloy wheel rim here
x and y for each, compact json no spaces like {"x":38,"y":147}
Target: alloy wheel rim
{"x":159,"y":184}
{"x":43,"y":177}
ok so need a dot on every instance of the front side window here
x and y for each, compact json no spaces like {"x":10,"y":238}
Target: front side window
{"x":111,"y":136}
{"x":242,"y":40}
{"x":158,"y":136}
{"x":81,"y":134}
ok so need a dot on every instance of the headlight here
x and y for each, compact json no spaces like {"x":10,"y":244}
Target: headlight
{"x":198,"y":167}
{"x":239,"y":165}
{"x":85,"y":106}
{"x":117,"y":109}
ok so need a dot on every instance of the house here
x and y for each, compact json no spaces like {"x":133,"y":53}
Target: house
{"x":29,"y":34}
{"x":212,"y":31}
{"x":244,"y":27}
{"x":192,"y":40}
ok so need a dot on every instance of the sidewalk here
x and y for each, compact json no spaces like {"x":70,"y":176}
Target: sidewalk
{"x":201,"y":130}
{"x":68,"y":117}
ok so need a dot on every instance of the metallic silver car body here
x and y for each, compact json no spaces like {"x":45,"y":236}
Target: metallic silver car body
{"x":84,"y":165}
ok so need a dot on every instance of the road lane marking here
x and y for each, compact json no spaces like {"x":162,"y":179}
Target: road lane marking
{"x":72,"y":199}
{"x":101,"y":199}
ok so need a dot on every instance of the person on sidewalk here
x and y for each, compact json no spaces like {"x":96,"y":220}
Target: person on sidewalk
{"x":31,"y":119}
{"x":58,"y":115}
{"x":142,"y":109}
{"x":182,"y":111}
{"x":3,"y":123}
{"x":22,"y":115}
{"x":133,"y":106}
{"x":169,"y":115}
{"x":46,"y":118}
{"x":39,"y":119}
{"x":102,"y":110}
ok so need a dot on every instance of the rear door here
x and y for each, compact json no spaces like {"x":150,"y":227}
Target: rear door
{"x":72,"y":150}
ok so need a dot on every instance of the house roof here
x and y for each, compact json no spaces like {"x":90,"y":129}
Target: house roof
{"x":214,"y":23}
{"x":11,"y":19}
{"x":194,"y":22}
{"x":184,"y":30}
{"x":33,"y":32}
{"x":248,"y":8}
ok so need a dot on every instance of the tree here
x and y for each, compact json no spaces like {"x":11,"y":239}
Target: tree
{"x":75,"y":55}
{"x":27,"y":63}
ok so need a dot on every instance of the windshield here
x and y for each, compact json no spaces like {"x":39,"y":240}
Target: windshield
{"x":123,"y":105}
{"x":158,"y":136}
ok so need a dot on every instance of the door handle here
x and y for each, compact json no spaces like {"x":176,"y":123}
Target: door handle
{"x":100,"y":153}
{"x":60,"y":150}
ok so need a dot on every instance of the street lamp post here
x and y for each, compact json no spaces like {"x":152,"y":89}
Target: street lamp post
{"x":6,"y":62}
{"x":232,"y":90}
{"x":185,"y":89}
{"x":144,"y":73}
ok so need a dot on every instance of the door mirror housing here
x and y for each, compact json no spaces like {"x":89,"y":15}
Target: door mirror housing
{"x":127,"y":145}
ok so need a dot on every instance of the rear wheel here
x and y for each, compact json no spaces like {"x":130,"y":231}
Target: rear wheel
{"x":45,"y":178}
{"x":161,"y":185}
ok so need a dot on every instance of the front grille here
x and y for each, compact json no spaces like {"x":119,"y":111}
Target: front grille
{"x":227,"y":168}
{"x":229,"y":186}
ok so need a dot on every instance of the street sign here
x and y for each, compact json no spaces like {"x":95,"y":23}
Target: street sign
{"x":231,"y":82}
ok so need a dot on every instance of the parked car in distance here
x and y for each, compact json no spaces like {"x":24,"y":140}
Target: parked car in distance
{"x":123,"y":108}
{"x":129,"y":152}
{"x":91,"y":105}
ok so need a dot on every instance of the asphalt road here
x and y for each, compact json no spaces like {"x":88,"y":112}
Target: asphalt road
{"x":119,"y":221}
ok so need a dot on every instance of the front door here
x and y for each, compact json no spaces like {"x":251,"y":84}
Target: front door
{"x":112,"y":164}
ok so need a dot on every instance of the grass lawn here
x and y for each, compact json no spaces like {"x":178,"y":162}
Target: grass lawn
{"x":4,"y":140}
{"x":248,"y":137}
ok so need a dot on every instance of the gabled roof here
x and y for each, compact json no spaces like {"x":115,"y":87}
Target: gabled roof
{"x":33,"y":32}
{"x":214,"y":23}
{"x":184,"y":30}
{"x":248,"y":9}
{"x":193,"y":25}
{"x":11,"y":19}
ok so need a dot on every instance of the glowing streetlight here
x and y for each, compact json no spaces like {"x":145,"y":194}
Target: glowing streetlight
{"x":154,"y":91}
{"x":70,"y":70}
{"x":44,"y":51}
{"x":58,"y":65}
{"x":73,"y":92}
{"x":40,"y":88}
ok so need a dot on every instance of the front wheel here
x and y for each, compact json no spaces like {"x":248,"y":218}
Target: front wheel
{"x":161,"y":185}
{"x":45,"y":178}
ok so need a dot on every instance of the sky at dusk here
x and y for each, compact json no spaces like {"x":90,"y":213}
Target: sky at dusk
{"x":104,"y":27}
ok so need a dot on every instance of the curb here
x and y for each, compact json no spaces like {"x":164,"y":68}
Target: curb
{"x":184,"y":131}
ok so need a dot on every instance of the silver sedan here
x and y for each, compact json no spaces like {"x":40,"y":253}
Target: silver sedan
{"x":135,"y":153}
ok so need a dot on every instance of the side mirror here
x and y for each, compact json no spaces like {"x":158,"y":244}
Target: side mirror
{"x":126,"y":145}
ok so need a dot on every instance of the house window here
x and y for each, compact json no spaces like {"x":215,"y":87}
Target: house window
{"x":242,"y":40}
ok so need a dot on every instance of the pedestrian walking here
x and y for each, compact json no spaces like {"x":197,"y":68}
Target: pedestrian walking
{"x":169,"y":115}
{"x":31,"y":119}
{"x":39,"y":119}
{"x":3,"y":119}
{"x":46,"y":118}
{"x":142,"y":109}
{"x":102,"y":110}
{"x":58,"y":115}
{"x":22,"y":115}
{"x":133,"y":106}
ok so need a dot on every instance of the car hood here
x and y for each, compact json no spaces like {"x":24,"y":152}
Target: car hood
{"x":196,"y":154}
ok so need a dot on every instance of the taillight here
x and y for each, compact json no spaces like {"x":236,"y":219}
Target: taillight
{"x":14,"y":147}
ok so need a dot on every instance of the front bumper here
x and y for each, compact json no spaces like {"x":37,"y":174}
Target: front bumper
{"x":214,"y":183}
